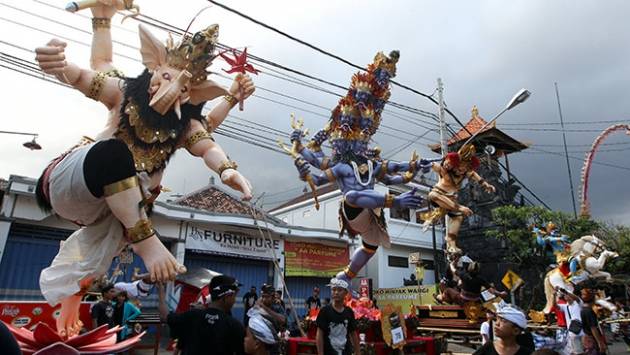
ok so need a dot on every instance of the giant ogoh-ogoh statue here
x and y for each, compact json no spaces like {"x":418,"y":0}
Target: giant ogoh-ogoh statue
{"x":105,"y":185}
{"x":354,"y":166}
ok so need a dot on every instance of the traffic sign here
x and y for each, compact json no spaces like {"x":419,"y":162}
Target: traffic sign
{"x":511,"y":280}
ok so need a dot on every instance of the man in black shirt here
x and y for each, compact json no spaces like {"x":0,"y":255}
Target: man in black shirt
{"x":103,"y":311}
{"x":313,"y":301}
{"x":593,"y":340}
{"x":508,"y":326}
{"x":249,"y":300}
{"x":208,"y":331}
{"x":336,"y":326}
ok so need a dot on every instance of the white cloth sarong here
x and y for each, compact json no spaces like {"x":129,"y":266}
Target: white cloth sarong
{"x":89,"y":251}
{"x":367,"y":225}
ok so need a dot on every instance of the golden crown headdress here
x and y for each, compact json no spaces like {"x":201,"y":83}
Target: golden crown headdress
{"x":389,"y":64}
{"x":194,"y":53}
{"x":466,"y":152}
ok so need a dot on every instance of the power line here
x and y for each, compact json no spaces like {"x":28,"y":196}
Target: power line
{"x":566,"y":123}
{"x":413,"y":110}
{"x":580,"y":159}
{"x":255,"y":95}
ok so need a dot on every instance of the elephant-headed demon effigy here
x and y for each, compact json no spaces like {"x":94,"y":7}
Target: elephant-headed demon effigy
{"x":107,"y":185}
{"x":354,"y":166}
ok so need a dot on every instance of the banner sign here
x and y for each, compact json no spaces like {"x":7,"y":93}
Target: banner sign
{"x":28,"y":313}
{"x":229,"y":243}
{"x":314,"y":259}
{"x":405,"y":297}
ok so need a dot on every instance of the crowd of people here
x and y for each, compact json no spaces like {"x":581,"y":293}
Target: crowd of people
{"x":581,"y":331}
{"x":266,"y":318}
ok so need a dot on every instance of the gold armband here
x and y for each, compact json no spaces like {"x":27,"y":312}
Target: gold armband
{"x":96,"y":86}
{"x":120,"y":186}
{"x":227,"y":164}
{"x":330,"y":175}
{"x":407,"y":176}
{"x":231,"y":99}
{"x":101,"y":22}
{"x":196,"y":137}
{"x":325,"y":163}
{"x":115,"y":73}
{"x":139,"y":232}
{"x":389,"y":201}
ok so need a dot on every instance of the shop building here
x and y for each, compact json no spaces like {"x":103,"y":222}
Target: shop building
{"x":208,"y":228}
{"x":390,"y":266}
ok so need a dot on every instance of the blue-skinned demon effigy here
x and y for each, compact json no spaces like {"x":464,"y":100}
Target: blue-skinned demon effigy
{"x":356,"y":167}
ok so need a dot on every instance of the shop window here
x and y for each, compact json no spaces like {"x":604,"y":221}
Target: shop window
{"x":399,"y":213}
{"x":397,"y":261}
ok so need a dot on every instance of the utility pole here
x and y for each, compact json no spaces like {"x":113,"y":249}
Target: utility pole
{"x":444,"y":150}
{"x":566,"y":152}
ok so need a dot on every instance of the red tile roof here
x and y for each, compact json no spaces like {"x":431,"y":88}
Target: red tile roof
{"x":307,"y":196}
{"x":213,"y":199}
{"x":474,"y":124}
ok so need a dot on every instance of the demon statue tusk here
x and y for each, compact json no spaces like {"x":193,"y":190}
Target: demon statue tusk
{"x":106,"y":185}
{"x":355,"y":167}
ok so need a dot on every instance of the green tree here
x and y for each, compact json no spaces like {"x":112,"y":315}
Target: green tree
{"x":514,"y":225}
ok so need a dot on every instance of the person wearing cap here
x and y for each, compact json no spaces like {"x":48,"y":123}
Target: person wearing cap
{"x":274,"y":309}
{"x":336,"y":326}
{"x":212,"y":330}
{"x":510,"y":323}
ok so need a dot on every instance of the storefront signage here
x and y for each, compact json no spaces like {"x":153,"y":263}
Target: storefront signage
{"x":405,"y":297}
{"x":228,"y":243}
{"x":314,"y":259}
{"x":28,"y":313}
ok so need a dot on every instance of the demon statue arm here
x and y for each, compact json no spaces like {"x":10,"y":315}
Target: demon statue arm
{"x":51,"y":60}
{"x":101,"y":55}
{"x":314,"y":155}
{"x":200,"y":144}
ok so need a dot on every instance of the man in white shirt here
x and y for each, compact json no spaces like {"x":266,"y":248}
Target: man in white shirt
{"x":486,"y":328}
{"x":571,"y":310}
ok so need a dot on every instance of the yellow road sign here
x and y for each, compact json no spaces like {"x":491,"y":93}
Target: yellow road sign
{"x":511,"y":280}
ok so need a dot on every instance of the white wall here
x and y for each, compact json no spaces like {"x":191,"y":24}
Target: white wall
{"x":393,"y":276}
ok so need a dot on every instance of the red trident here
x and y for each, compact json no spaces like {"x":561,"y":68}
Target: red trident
{"x":238,"y":65}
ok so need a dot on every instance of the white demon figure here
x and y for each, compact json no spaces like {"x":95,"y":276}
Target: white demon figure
{"x":587,"y":257}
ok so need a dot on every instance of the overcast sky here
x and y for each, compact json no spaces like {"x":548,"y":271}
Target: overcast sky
{"x":483,"y":50}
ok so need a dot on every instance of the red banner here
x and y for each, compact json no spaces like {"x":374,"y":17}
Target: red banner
{"x":28,"y":313}
{"x":314,"y":259}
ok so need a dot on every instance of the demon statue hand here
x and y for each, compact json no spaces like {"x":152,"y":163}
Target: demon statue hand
{"x":354,"y":167}
{"x":106,"y":185}
{"x":452,"y":171}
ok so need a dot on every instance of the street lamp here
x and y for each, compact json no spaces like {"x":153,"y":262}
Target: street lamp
{"x":516,"y":100}
{"x":32,"y":144}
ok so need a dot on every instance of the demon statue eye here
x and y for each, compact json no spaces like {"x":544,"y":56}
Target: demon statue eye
{"x":198,"y":38}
